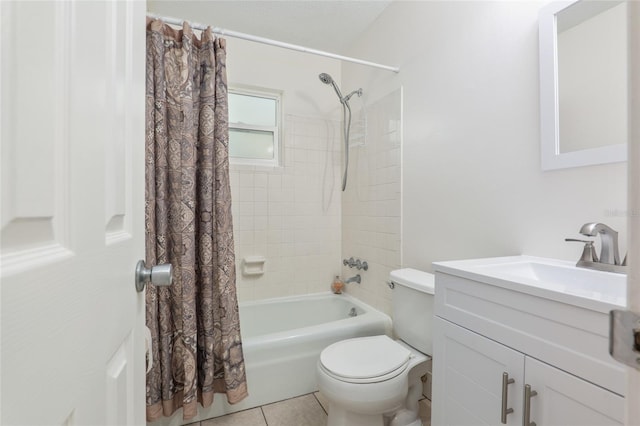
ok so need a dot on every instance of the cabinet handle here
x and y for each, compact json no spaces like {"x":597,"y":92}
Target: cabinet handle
{"x":506,"y":381}
{"x":528,"y":394}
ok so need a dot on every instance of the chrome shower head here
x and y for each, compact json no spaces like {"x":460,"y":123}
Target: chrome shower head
{"x":346,"y":111}
{"x":325,"y":78}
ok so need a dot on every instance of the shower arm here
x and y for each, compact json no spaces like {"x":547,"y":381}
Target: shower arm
{"x":355,"y":92}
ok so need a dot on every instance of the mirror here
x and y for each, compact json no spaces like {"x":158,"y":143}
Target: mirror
{"x":583,"y":83}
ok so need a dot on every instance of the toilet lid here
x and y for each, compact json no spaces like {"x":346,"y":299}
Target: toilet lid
{"x":365,"y":358}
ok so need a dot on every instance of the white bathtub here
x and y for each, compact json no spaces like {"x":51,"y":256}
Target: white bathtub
{"x":282,"y":339}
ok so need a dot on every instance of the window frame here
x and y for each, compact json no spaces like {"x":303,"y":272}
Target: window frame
{"x":276,"y":129}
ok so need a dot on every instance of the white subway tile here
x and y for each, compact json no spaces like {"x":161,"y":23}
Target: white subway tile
{"x":260,"y":237}
{"x":246,"y":180}
{"x":261,"y":194}
{"x":274,"y":182}
{"x":245,"y":194}
{"x":288,"y":235}
{"x":260,"y":208}
{"x":260,"y":223}
{"x":274,"y":222}
{"x":245,"y":209}
{"x":245,"y":224}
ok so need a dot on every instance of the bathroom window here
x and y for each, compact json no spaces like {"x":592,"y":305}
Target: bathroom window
{"x":254,"y":127}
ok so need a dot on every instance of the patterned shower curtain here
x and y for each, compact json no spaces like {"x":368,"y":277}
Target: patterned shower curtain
{"x":194,"y":324}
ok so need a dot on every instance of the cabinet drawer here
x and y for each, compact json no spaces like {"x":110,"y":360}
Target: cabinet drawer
{"x":574,"y":339}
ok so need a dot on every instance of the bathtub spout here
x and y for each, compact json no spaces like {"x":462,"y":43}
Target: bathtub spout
{"x":356,"y":279}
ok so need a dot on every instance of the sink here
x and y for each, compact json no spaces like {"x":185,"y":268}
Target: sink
{"x":550,"y":278}
{"x":548,"y":309}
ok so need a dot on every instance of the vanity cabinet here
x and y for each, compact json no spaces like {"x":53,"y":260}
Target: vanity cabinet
{"x":491,"y":341}
{"x":468,"y":375}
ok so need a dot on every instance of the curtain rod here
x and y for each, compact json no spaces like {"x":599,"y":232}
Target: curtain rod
{"x":250,"y":37}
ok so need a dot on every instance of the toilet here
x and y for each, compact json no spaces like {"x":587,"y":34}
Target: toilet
{"x":376,"y":381}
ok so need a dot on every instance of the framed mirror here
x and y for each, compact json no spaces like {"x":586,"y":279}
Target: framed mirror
{"x":583,"y":83}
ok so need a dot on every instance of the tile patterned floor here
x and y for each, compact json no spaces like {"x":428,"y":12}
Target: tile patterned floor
{"x":306,"y":410}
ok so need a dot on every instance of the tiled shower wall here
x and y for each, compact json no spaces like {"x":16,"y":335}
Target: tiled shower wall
{"x":371,"y":220}
{"x":291,"y":215}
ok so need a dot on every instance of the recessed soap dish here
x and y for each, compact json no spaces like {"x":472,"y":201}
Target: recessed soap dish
{"x":253,"y":265}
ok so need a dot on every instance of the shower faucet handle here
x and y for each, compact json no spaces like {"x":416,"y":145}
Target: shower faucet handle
{"x":355,"y":263}
{"x":362,"y":265}
{"x":350,"y":263}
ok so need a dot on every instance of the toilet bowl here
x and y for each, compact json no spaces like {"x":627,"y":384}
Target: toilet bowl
{"x":368,"y":380}
{"x":376,"y":381}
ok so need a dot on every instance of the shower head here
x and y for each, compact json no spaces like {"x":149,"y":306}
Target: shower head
{"x":346,"y":110}
{"x":325,"y":78}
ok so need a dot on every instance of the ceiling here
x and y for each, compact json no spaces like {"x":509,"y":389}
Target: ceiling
{"x":320,"y":24}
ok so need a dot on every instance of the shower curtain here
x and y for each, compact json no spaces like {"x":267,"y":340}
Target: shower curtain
{"x":194,"y":324}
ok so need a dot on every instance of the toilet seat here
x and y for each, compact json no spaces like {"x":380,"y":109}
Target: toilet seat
{"x":365,"y":359}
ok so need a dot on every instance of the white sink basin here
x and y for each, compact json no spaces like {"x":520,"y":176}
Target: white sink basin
{"x":552,"y":278}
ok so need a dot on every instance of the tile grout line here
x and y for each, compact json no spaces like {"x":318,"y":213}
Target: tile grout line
{"x":263,"y":416}
{"x":319,"y":403}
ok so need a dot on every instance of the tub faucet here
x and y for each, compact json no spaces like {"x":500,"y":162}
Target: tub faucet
{"x":355,"y":279}
{"x":609,"y":250}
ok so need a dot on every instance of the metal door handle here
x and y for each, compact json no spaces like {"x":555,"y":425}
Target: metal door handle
{"x":160,"y":275}
{"x":506,"y":381}
{"x":526,"y":417}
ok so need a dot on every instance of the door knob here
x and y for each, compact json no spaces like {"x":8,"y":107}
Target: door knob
{"x":160,"y":275}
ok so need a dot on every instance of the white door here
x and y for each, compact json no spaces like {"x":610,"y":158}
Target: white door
{"x":565,"y":400}
{"x":467,"y":374}
{"x":633,"y":278}
{"x":72,"y":224}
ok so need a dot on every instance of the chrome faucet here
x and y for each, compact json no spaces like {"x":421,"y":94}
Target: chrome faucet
{"x":609,"y":238}
{"x":355,"y":263}
{"x":609,"y":253}
{"x":355,"y":279}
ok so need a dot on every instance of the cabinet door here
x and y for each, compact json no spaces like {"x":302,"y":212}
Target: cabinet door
{"x":565,"y":400}
{"x":467,"y":378}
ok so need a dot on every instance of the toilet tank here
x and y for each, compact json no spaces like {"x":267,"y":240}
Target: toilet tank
{"x":412,"y":302}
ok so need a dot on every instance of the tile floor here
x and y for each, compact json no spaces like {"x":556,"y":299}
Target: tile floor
{"x":305,"y":410}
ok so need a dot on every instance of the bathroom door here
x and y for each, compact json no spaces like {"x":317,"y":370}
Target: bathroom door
{"x":72,"y":212}
{"x":632,"y":411}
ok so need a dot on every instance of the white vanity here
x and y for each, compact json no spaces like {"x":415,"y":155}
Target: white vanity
{"x":521,"y":339}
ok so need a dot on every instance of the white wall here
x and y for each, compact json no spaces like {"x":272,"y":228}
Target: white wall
{"x":295,"y":73}
{"x":472,"y":184}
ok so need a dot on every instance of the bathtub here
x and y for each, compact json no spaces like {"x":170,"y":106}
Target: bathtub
{"x":282,"y":339}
